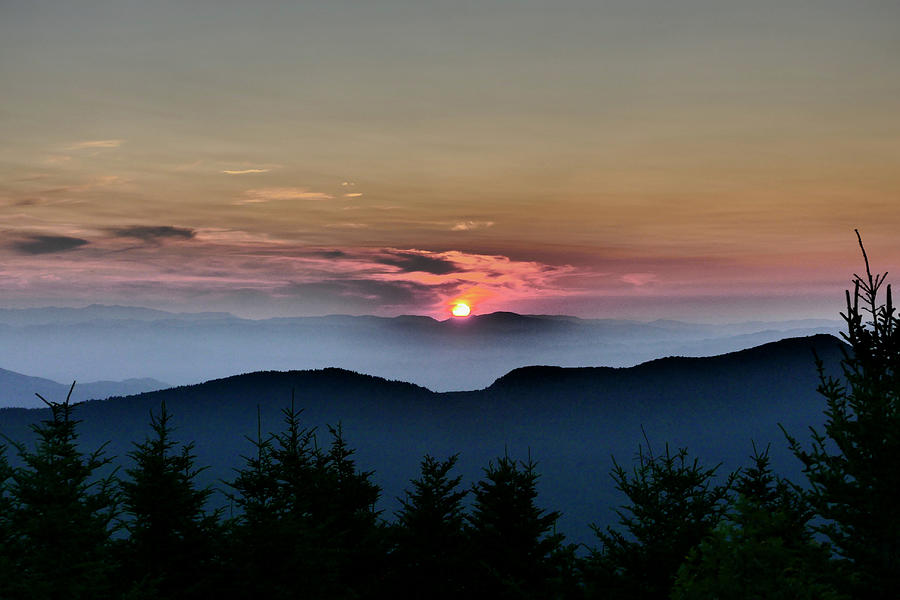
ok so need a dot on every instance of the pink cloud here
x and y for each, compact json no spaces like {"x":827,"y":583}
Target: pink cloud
{"x":638,"y":279}
{"x":233,"y":264}
{"x":244,"y":171}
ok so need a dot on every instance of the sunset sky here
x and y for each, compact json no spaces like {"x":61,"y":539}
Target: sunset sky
{"x":702,"y":160}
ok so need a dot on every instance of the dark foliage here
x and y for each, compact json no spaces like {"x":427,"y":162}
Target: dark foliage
{"x":172,"y":539}
{"x":764,"y":548}
{"x":429,"y":558}
{"x":852,"y":464}
{"x":257,"y":539}
{"x":8,"y":539}
{"x":57,"y":516}
{"x":307,"y":524}
{"x":674,"y":504}
{"x":517,"y":551}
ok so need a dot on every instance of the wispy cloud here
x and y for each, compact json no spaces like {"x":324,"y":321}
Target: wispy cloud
{"x":470,"y":225}
{"x":348,"y":226}
{"x":95,"y":144}
{"x":353,"y":195}
{"x":101,"y":181}
{"x":245,"y":171}
{"x":257,"y":196}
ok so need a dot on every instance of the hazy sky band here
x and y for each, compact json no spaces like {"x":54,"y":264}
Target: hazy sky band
{"x":566,"y":152}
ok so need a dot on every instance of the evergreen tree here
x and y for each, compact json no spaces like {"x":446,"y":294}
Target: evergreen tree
{"x":306,"y":525}
{"x":59,"y":515}
{"x":271,"y":553}
{"x":514,"y":542}
{"x":674,"y":505}
{"x":170,"y":550}
{"x":8,"y":539}
{"x":259,"y":543}
{"x":764,"y":547}
{"x":430,"y":558}
{"x":353,"y":541}
{"x":852,"y":464}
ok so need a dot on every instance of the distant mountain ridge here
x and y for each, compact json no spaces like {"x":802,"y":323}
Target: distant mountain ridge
{"x":115,"y":342}
{"x":571,"y":419}
{"x":94,"y":312}
{"x":19,"y":390}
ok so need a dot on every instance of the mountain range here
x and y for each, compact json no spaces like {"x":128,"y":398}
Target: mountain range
{"x":571,"y":420}
{"x":118,"y":342}
{"x":18,"y":390}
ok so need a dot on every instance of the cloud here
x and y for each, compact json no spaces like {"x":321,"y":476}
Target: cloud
{"x":470,"y":225}
{"x":329,"y":253}
{"x":95,"y":183}
{"x":245,"y":171}
{"x":638,"y":279}
{"x":353,"y":195}
{"x":220,"y":263}
{"x":257,"y":196}
{"x":153,"y":233}
{"x":93,"y":144}
{"x":348,"y":183}
{"x":348,"y":226}
{"x":363,"y":294}
{"x":411,"y":262}
{"x":47,"y":244}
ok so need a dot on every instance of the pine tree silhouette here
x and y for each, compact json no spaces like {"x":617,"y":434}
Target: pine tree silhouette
{"x":60,"y":514}
{"x":764,"y":548}
{"x":852,"y":464}
{"x":513,"y":541}
{"x":172,"y":538}
{"x":9,"y":540}
{"x":673,"y":506}
{"x":430,"y":558}
{"x":306,"y":523}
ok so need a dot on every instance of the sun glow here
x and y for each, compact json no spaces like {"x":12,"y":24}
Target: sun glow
{"x":461,"y":310}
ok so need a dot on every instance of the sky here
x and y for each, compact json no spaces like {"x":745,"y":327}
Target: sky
{"x":700,"y":160}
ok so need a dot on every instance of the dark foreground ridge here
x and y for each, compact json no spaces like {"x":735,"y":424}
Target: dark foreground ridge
{"x":765,"y":356}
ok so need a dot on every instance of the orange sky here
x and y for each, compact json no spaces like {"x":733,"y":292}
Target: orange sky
{"x":697,"y":159}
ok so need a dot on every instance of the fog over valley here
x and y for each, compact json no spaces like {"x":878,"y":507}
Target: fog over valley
{"x":117,"y":343}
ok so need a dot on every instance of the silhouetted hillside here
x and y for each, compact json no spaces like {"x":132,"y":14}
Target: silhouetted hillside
{"x":572,"y":420}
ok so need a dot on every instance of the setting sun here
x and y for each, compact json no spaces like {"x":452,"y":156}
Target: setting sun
{"x":461,"y":310}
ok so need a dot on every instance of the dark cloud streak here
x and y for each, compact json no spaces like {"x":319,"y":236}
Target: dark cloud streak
{"x":47,"y":244}
{"x":410,"y":262}
{"x":368,"y":292}
{"x":153,"y":233}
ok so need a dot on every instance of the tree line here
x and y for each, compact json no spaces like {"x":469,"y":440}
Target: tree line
{"x":302,"y":521}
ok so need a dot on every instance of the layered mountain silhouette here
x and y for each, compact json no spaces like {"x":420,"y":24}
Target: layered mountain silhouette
{"x":571,"y":420}
{"x":20,"y":390}
{"x":118,"y":342}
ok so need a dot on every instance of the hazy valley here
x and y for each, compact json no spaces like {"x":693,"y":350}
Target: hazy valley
{"x":116,"y":343}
